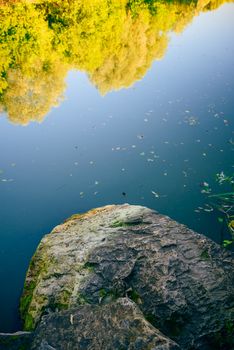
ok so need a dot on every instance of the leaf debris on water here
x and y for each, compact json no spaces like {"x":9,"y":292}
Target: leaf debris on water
{"x":7,"y":180}
{"x":156,"y":195}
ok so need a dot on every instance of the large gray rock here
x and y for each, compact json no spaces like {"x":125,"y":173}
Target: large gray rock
{"x":180,"y":280}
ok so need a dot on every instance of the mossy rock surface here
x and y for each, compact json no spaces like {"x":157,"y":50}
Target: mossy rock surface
{"x":181,"y":281}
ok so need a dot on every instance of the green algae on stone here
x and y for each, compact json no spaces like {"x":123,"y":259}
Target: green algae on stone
{"x":205,"y":254}
{"x":117,"y":224}
{"x":28,"y":309}
{"x":126,"y":223}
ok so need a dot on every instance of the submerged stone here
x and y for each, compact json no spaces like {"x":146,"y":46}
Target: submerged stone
{"x":15,"y":341}
{"x":173,"y":282}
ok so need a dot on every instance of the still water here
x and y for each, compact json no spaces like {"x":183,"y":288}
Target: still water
{"x":144,"y":115}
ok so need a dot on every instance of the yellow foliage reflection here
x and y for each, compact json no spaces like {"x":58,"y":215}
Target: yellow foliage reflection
{"x":114,"y":41}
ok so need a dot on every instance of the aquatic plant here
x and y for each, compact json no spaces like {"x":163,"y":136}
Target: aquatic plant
{"x":223,"y":204}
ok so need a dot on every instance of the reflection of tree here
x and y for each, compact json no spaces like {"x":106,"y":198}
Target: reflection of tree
{"x":114,"y":41}
{"x":31,"y":97}
{"x":32,"y":74}
{"x":140,"y":44}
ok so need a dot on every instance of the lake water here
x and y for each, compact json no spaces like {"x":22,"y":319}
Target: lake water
{"x":150,"y":126}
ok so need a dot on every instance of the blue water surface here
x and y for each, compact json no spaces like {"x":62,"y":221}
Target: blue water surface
{"x":152,"y":144}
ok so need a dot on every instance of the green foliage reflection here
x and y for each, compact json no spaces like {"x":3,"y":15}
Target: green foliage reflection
{"x":114,"y":41}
